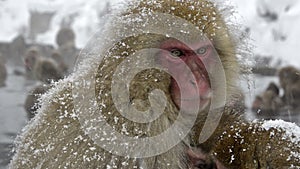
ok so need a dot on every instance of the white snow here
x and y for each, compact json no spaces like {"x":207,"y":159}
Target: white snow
{"x":15,"y":18}
{"x":262,"y":32}
{"x":292,"y":130}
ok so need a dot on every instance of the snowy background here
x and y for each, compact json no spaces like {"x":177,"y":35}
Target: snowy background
{"x":273,"y":26}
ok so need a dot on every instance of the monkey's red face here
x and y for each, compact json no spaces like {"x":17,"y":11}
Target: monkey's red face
{"x":30,"y":59}
{"x":187,"y":64}
{"x":29,"y":62}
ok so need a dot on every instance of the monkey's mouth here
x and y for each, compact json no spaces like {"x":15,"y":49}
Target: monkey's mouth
{"x":188,"y":103}
{"x":207,"y":96}
{"x":192,"y":93}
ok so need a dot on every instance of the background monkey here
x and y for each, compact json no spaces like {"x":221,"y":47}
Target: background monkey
{"x":41,"y":68}
{"x":65,"y":40}
{"x":65,"y":36}
{"x":269,"y":103}
{"x":289,"y":78}
{"x":30,"y":57}
{"x":57,"y":139}
{"x":3,"y":73}
{"x":32,"y":104}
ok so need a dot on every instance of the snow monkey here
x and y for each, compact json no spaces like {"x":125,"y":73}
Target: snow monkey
{"x":3,"y":74}
{"x":268,"y":104}
{"x":151,"y":90}
{"x":41,"y":68}
{"x":289,"y":78}
{"x":65,"y":40}
{"x":64,"y":36}
{"x":32,"y":104}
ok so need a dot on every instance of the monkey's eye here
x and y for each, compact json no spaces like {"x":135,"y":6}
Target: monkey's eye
{"x":176,"y":52}
{"x":202,"y":50}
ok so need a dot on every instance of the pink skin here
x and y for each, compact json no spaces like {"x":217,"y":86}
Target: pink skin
{"x":29,"y":62}
{"x":198,"y":160}
{"x":257,"y":104}
{"x":187,"y":67}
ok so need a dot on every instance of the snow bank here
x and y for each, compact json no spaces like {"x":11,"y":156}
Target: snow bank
{"x":292,"y":131}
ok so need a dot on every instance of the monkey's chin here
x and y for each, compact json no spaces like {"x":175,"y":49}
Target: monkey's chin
{"x":191,"y":106}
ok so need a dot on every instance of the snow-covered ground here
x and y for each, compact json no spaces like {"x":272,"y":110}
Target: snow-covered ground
{"x":277,"y":38}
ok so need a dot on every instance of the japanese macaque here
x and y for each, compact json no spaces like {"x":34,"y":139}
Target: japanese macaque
{"x":44,"y":69}
{"x":32,"y":104}
{"x":269,"y":103}
{"x":147,"y":100}
{"x":3,"y":74}
{"x":65,"y":40}
{"x":289,"y":78}
{"x":29,"y":59}
{"x":65,"y":36}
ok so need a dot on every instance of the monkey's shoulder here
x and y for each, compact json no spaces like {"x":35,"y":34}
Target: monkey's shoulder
{"x":272,"y":144}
